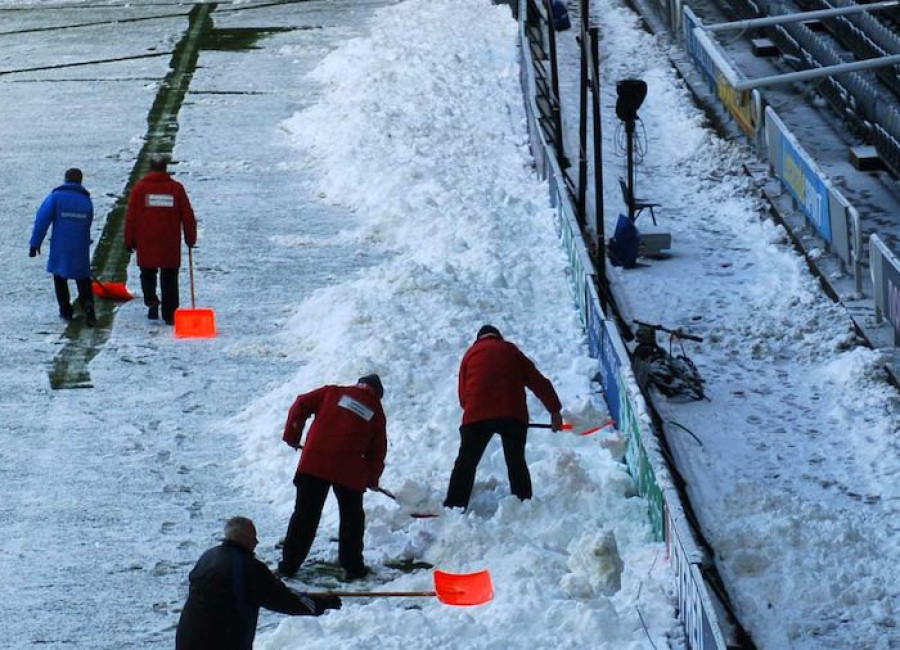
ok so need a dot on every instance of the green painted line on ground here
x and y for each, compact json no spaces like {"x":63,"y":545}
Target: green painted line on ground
{"x":69,"y":368}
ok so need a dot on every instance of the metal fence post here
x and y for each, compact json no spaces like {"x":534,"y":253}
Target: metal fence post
{"x":600,"y":262}
{"x":554,"y":85}
{"x":582,"y":118}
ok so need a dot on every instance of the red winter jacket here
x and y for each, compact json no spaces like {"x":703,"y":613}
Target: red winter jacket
{"x":158,"y":210}
{"x":493,"y":377}
{"x":347,"y":441}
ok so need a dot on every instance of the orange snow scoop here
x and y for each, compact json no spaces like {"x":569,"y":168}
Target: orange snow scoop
{"x":463,"y":589}
{"x":193,"y":322}
{"x":110,"y":290}
{"x":567,"y":426}
{"x":460,"y":589}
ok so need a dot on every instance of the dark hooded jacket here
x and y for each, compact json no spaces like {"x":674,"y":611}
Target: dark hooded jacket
{"x":228,"y":585}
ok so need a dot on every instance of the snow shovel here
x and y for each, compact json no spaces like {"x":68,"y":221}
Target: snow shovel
{"x":415,"y":515}
{"x":110,"y":290}
{"x":567,"y":426}
{"x":193,"y":322}
{"x":460,"y":589}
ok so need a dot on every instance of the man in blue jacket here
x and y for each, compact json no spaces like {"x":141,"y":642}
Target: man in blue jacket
{"x":69,"y":210}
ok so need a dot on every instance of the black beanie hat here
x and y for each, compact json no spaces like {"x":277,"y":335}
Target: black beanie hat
{"x":159,"y":162}
{"x":373,"y":381}
{"x":489,"y":330}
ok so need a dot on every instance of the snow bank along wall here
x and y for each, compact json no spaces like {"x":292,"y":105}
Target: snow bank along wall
{"x":626,"y":405}
{"x":825,"y":209}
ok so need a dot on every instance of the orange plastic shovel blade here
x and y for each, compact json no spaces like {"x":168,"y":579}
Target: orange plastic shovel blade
{"x":111,"y":291}
{"x":463,"y":589}
{"x":195,"y":323}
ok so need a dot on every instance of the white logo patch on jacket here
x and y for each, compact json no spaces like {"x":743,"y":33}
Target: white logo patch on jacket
{"x":160,"y":201}
{"x":359,"y":408}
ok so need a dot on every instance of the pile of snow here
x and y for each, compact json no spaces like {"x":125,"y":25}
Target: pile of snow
{"x":420,"y":131}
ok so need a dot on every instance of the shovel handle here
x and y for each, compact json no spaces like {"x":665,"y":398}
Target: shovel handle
{"x":610,"y":422}
{"x":385,"y":492}
{"x":191,"y":272}
{"x":414,"y":515}
{"x":373,"y":594}
{"x":567,"y":426}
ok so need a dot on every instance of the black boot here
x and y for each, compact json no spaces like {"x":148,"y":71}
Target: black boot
{"x":356,"y":573}
{"x":285,"y":570}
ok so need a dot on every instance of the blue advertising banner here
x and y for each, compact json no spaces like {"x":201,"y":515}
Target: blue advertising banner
{"x":611,"y":365}
{"x":801,"y":178}
{"x":807,"y":188}
{"x":695,"y":49}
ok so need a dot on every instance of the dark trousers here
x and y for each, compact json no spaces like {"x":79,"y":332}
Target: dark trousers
{"x":473,"y":440}
{"x":168,"y":285}
{"x":311,"y":494}
{"x":85,"y":295}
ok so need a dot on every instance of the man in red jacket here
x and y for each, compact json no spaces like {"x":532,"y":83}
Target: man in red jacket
{"x":493,"y":377}
{"x":158,"y":212}
{"x":344,"y":451}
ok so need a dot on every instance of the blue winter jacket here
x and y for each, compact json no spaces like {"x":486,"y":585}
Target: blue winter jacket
{"x":69,"y":209}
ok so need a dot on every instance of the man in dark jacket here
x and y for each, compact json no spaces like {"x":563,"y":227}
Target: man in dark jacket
{"x":228,"y":585}
{"x":69,"y":210}
{"x":158,"y":212}
{"x":344,"y":452}
{"x":493,"y":377}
